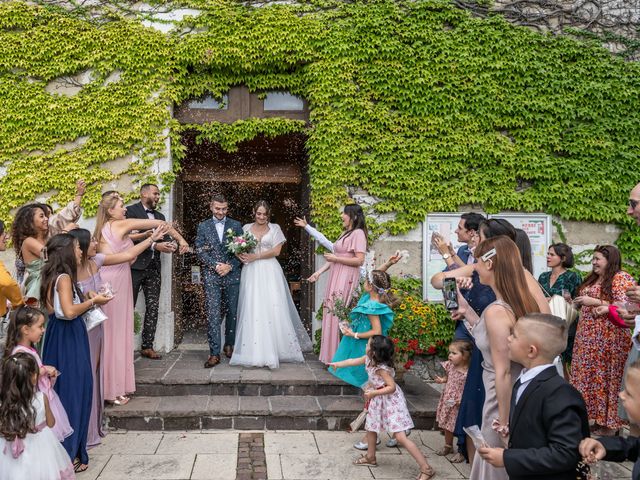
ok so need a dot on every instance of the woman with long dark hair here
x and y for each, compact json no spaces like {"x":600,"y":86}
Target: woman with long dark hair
{"x":344,"y":274}
{"x":29,"y":233}
{"x":90,"y":283}
{"x":601,"y":348}
{"x":499,"y":266}
{"x":66,"y":345}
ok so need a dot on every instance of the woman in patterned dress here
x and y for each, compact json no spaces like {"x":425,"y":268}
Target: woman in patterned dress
{"x":601,"y":348}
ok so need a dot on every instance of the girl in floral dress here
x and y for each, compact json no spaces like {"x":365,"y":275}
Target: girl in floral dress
{"x":456,"y":369}
{"x":386,"y":405}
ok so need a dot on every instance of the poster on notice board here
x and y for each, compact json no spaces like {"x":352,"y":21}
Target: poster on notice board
{"x":536,"y":225}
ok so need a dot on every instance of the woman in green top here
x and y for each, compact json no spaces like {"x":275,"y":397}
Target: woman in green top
{"x":563,"y":282}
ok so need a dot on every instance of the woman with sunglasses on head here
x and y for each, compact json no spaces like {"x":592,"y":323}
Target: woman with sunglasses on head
{"x":601,"y":348}
{"x":499,"y":266}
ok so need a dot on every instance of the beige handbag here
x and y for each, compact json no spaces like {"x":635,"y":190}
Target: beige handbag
{"x":563,"y":309}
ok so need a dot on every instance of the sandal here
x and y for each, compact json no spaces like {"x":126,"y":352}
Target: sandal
{"x":121,"y":400}
{"x":79,"y":467}
{"x":426,"y":474}
{"x":364,"y":460}
{"x":446,"y":450}
{"x":457,"y":458}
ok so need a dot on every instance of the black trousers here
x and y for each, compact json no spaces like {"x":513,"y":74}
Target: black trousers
{"x":150,"y":281}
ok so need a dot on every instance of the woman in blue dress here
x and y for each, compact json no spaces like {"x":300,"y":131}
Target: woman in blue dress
{"x":372,"y":316}
{"x":66,"y":345}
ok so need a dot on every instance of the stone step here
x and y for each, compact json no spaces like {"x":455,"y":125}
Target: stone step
{"x":278,"y":412}
{"x":182,"y":373}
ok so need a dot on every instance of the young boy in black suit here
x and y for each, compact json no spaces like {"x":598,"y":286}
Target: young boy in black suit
{"x":619,"y":449}
{"x":548,"y":417}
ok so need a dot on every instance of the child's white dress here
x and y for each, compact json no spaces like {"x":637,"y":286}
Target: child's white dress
{"x":388,"y":413}
{"x":39,"y":456}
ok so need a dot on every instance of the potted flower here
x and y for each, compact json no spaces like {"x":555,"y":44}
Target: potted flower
{"x":419,"y":328}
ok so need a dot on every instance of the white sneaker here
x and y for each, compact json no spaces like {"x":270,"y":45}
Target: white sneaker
{"x":363,"y":445}
{"x":392,"y":442}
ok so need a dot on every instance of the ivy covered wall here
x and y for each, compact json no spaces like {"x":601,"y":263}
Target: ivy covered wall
{"x":416,"y":102}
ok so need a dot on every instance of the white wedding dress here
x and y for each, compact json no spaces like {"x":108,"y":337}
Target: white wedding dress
{"x":269,"y":328}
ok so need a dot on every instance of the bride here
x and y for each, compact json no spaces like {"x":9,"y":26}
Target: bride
{"x":269,"y":327}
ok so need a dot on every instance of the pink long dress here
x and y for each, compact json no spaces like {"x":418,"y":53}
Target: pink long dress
{"x":118,"y":374}
{"x":343,"y":280}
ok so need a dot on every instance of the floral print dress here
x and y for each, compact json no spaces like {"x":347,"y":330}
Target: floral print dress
{"x":387,"y":413}
{"x":599,"y":356}
{"x":447,"y":412}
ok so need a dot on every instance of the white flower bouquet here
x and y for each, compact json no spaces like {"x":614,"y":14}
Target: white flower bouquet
{"x":238,"y":244}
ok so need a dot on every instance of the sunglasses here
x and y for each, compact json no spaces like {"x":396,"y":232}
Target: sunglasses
{"x":633,"y":203}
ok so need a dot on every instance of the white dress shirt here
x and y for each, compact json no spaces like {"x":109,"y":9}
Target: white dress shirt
{"x":527,"y":375}
{"x":220,"y":228}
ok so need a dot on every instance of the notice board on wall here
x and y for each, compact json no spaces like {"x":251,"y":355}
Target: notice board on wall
{"x":536,"y":225}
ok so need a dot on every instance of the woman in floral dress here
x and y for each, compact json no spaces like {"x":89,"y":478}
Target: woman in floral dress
{"x":601,"y":348}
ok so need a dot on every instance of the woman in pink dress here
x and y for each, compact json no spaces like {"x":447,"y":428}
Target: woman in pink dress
{"x":344,"y":275}
{"x":112,"y":230}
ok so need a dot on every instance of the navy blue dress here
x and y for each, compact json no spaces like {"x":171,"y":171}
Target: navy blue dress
{"x":470,"y":412}
{"x":66,"y":347}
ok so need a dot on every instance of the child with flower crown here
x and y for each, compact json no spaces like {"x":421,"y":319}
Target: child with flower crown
{"x":373,"y":315}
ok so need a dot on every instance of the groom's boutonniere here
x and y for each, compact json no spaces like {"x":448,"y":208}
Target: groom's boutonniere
{"x":238,"y":244}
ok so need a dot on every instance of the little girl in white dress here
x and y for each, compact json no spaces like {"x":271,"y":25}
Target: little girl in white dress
{"x":29,"y":449}
{"x":386,"y":406}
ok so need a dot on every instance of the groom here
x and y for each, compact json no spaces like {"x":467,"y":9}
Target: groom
{"x":221,"y":271}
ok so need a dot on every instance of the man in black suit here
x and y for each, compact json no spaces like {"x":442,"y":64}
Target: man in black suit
{"x":221,"y":271}
{"x":548,"y":417}
{"x":145,"y":271}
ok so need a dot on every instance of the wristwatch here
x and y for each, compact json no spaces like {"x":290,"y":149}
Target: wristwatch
{"x":446,"y":256}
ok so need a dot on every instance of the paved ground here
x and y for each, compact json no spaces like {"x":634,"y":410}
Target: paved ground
{"x":290,"y":455}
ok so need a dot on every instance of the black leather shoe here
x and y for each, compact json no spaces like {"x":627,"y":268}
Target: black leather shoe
{"x":228,"y":351}
{"x":212,"y":361}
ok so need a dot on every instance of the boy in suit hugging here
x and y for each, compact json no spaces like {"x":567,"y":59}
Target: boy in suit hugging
{"x":548,"y":417}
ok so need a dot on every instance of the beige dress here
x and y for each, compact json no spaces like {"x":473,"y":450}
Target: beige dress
{"x":482,"y":470}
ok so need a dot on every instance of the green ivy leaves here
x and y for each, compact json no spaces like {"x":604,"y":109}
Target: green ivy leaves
{"x":417,"y":103}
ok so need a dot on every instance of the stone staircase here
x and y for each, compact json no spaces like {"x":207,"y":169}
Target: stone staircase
{"x":177,"y":393}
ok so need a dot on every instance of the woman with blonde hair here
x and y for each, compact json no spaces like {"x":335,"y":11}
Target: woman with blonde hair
{"x":499,"y":266}
{"x":112,"y":234}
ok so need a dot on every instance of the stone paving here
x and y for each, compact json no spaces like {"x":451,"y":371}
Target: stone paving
{"x":290,"y":455}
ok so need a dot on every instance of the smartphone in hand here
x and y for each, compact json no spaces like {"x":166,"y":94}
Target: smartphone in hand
{"x":450,"y":294}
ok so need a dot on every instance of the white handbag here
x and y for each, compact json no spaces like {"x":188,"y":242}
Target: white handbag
{"x":563,"y":309}
{"x":93,"y":317}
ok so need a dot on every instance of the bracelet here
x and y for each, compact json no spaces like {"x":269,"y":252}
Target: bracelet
{"x":355,"y":335}
{"x":92,"y":302}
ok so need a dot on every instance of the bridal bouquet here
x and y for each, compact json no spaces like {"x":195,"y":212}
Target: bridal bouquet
{"x":238,"y":244}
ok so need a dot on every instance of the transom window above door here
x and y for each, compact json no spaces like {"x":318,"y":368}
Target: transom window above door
{"x":239,"y":104}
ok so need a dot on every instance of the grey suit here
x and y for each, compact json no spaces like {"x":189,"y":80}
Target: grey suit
{"x":221,"y":292}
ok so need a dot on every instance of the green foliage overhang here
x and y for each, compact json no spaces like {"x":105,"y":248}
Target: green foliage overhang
{"x":416,"y":102}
